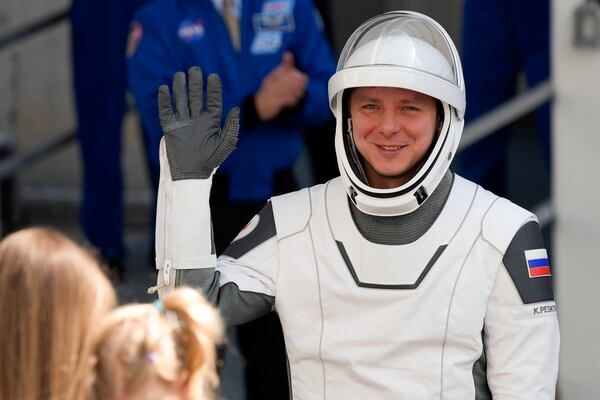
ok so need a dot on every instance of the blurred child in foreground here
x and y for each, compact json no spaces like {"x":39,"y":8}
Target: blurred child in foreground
{"x":165,"y":350}
{"x":52,"y":293}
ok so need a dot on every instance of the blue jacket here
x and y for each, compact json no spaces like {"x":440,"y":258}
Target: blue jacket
{"x":176,"y":34}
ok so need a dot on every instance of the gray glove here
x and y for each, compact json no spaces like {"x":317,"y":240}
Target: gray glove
{"x":195,"y":142}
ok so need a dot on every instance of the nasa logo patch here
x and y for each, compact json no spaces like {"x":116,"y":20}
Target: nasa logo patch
{"x":191,"y":31}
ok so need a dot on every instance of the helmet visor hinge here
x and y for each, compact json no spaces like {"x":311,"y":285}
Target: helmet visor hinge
{"x":353,"y":195}
{"x":421,"y":195}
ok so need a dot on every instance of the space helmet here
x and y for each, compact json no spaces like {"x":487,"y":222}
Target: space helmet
{"x":409,"y":50}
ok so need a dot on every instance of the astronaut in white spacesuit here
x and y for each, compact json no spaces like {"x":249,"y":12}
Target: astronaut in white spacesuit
{"x":396,"y":280}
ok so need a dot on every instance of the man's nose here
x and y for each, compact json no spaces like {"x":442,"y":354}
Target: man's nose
{"x":389,"y":123}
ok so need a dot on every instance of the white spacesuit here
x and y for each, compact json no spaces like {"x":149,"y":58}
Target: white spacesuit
{"x":434,"y":289}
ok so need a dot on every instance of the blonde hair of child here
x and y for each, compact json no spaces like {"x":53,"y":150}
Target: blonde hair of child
{"x":134,"y":341}
{"x":51,"y":294}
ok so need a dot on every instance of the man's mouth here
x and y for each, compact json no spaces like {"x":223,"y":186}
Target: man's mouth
{"x":390,"y":147}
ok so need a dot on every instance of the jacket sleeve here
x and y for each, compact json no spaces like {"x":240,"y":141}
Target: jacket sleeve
{"x":521,"y":333}
{"x":242,"y":281}
{"x":315,"y":58}
{"x":152,"y":62}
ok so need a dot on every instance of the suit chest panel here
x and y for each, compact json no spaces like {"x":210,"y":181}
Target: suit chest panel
{"x":358,"y":323}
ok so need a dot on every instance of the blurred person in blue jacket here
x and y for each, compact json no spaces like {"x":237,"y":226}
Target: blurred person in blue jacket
{"x":99,"y":36}
{"x":275,"y":63}
{"x":502,"y":39}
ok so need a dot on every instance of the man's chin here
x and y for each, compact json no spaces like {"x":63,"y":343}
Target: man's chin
{"x":388,"y":180}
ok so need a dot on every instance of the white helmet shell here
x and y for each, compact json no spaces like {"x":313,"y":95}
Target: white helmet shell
{"x":407,"y":50}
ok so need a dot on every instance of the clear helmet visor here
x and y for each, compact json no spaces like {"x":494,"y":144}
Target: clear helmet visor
{"x":397,"y":39}
{"x":401,"y":49}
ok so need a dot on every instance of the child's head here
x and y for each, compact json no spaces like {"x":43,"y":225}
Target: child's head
{"x":165,"y":350}
{"x":52,"y":293}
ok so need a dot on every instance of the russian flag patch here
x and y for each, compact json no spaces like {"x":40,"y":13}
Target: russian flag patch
{"x":537,"y":263}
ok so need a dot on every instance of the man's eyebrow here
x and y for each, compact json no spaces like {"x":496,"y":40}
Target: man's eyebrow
{"x":414,"y":99}
{"x":407,"y":99}
{"x":367,"y":98}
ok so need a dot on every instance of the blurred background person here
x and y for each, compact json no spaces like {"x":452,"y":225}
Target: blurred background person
{"x":99,"y":36}
{"x":274,"y":63}
{"x":52,"y":294}
{"x":500,"y":41}
{"x":276,"y":69}
{"x":142,"y":352}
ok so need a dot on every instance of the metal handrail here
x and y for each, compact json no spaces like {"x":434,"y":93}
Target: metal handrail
{"x":32,"y":28}
{"x":5,"y":140}
{"x":13,"y":164}
{"x":506,"y":113}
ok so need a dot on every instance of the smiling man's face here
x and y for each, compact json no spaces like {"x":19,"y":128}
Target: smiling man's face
{"x":393,"y":129}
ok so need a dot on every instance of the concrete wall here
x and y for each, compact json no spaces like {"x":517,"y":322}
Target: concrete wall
{"x":576,"y":192}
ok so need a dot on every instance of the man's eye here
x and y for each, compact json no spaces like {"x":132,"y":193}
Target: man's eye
{"x":370,"y":107}
{"x":410,"y":108}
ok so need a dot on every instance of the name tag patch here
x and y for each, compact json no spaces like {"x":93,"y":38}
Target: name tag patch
{"x":266,"y":42}
{"x":269,"y":22}
{"x":275,"y":16}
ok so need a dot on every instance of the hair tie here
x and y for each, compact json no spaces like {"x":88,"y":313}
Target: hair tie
{"x":159,"y":306}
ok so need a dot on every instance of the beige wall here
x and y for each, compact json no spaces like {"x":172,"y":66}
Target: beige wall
{"x":36,"y":103}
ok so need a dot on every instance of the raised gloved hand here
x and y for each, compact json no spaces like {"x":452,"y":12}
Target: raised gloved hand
{"x":195,"y":142}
